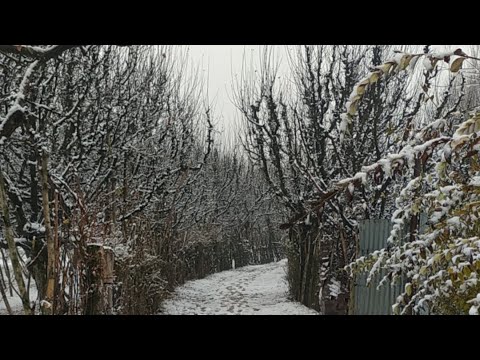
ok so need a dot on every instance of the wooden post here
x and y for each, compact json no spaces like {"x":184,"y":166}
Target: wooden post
{"x":94,"y":279}
{"x":48,"y":305}
{"x":353,"y":280}
{"x":57,"y":300}
{"x":100,"y":277}
{"x":108,"y":278}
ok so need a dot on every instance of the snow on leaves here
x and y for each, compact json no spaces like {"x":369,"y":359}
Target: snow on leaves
{"x":400,"y":62}
{"x":443,"y":262}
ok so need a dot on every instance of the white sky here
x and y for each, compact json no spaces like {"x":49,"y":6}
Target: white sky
{"x":219,"y":64}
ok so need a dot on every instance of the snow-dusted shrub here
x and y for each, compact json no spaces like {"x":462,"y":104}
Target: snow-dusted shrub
{"x":441,"y":263}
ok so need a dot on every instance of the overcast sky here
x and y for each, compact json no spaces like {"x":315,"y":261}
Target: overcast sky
{"x":221,"y":63}
{"x":218,"y":63}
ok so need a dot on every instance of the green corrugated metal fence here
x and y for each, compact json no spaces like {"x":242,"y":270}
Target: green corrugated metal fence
{"x":368,"y":300}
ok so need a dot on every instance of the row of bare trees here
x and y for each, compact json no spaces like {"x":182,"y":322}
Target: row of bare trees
{"x":115,"y":146}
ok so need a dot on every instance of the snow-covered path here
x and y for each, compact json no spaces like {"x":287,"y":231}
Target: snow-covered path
{"x":251,"y":290}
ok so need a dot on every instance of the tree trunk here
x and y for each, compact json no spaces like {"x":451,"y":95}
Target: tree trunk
{"x":7,"y":272}
{"x":108,"y":278}
{"x":4,"y":295}
{"x":48,"y":308}
{"x":100,"y":277}
{"x":38,"y":266}
{"x":303,"y":265}
{"x":94,"y":296}
{"x":12,"y":249}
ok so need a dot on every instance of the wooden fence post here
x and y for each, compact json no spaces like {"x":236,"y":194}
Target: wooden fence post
{"x":108,"y":278}
{"x":94,"y":279}
{"x":100,"y":262}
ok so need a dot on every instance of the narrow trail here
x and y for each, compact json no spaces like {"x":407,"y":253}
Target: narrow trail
{"x":251,"y":290}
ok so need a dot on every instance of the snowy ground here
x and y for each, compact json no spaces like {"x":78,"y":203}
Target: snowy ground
{"x":251,"y":290}
{"x":15,"y":302}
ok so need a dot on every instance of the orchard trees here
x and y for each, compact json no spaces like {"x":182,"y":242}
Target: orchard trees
{"x":113,"y":145}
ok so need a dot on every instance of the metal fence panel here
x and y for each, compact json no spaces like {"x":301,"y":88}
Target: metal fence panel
{"x":368,"y":300}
